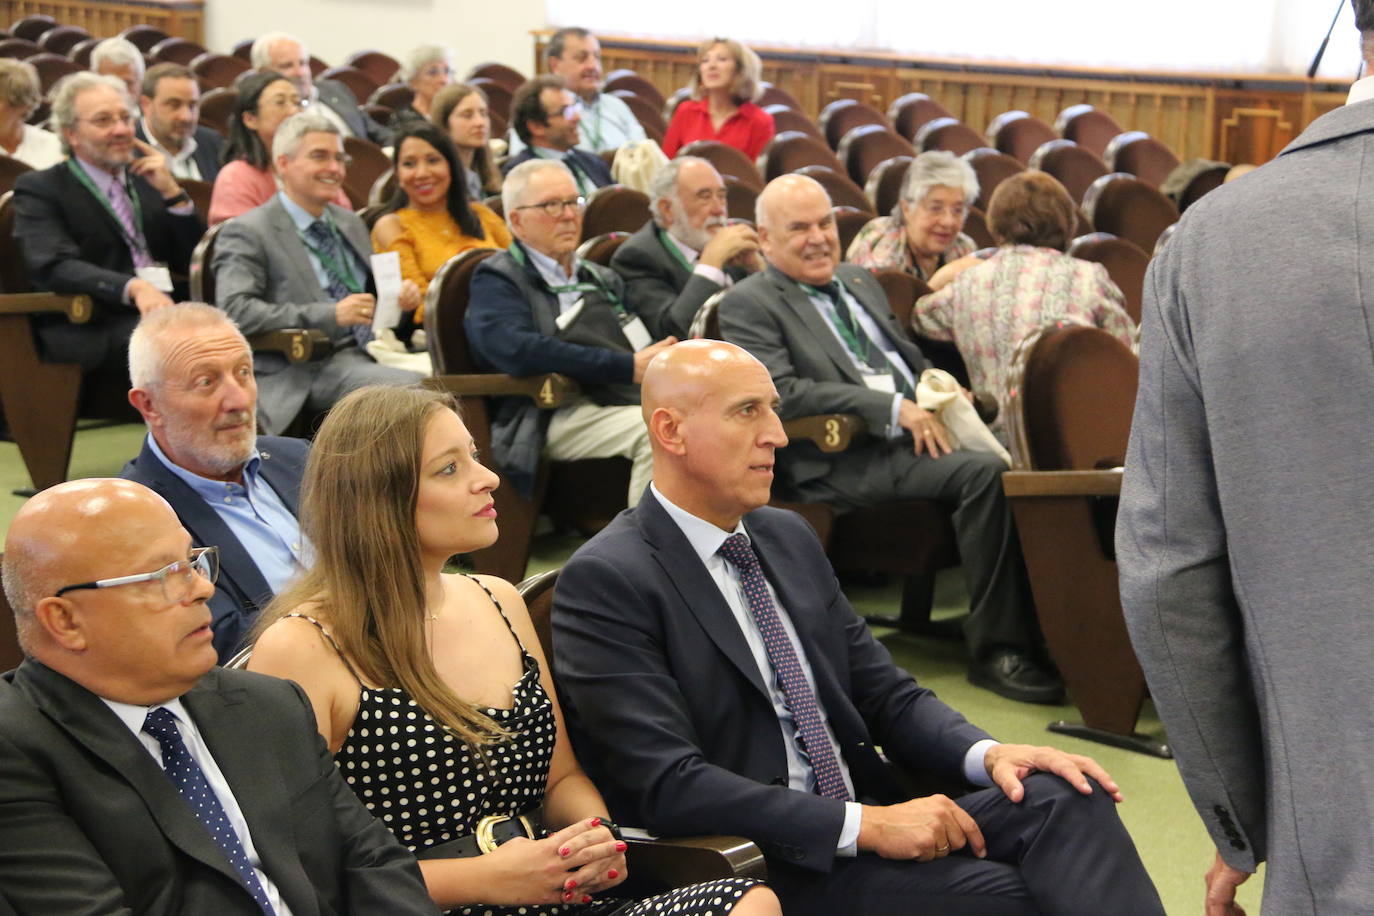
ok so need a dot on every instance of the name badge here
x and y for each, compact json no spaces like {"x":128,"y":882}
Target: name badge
{"x":883,"y":382}
{"x":566,"y":317}
{"x":635,"y":332}
{"x":158,"y":275}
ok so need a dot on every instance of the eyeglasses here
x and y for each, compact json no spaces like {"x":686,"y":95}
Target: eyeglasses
{"x":106,"y":121}
{"x":283,"y":101}
{"x":320,"y":157}
{"x":940,"y":211}
{"x":567,"y":112}
{"x":554,"y":208}
{"x":436,"y":70}
{"x":177,"y":579}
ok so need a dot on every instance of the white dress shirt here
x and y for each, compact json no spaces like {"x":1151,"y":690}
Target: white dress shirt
{"x":714,"y":274}
{"x":134,"y":717}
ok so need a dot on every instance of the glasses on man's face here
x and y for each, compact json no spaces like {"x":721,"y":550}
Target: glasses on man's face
{"x":106,"y":121}
{"x":554,"y":208}
{"x":567,"y":112}
{"x":177,"y":579}
{"x":321,"y":157}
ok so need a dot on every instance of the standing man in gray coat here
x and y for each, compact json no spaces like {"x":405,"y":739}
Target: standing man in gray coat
{"x":1244,"y":537}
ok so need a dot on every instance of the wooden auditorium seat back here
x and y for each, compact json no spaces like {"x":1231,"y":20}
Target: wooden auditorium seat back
{"x":599,"y":249}
{"x":950,"y":135}
{"x":785,"y":118}
{"x":1125,"y":205}
{"x":884,"y":186}
{"x":992,"y":168}
{"x":843,"y":115}
{"x":1075,"y":167}
{"x":202,"y":269}
{"x":381,"y":68}
{"x":792,"y":149}
{"x":615,"y":208}
{"x":359,"y":83}
{"x":727,"y":159}
{"x":446,"y":303}
{"x":368,"y":164}
{"x":1089,"y":127}
{"x":10,"y":170}
{"x":842,"y":191}
{"x":632,"y":82}
{"x":1141,"y":155}
{"x":910,"y":112}
{"x":867,"y":146}
{"x":506,"y":76}
{"x":1018,"y":134}
{"x":1125,"y":261}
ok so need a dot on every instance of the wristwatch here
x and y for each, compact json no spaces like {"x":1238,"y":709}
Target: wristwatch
{"x":177,"y":201}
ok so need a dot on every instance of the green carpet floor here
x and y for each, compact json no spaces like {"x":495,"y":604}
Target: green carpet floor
{"x":1166,"y":829}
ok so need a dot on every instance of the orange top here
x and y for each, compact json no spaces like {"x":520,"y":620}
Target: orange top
{"x":428,"y":240}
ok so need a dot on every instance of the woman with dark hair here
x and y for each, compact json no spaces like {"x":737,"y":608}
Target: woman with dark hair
{"x":431,"y":689}
{"x":430,"y":219}
{"x":460,"y":110}
{"x":265,"y":99}
{"x":724,"y":88}
{"x":987,"y":307}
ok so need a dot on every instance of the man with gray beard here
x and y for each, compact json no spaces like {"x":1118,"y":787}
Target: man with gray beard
{"x":192,"y":376}
{"x":687,"y":253}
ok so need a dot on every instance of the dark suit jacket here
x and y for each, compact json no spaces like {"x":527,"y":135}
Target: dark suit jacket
{"x":664,"y":292}
{"x":673,"y":721}
{"x":593,"y":165}
{"x":341,"y":99}
{"x":241,"y":591}
{"x":92,"y":825}
{"x":209,"y":149}
{"x":772,"y":318}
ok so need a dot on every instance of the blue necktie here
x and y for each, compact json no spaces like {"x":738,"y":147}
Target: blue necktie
{"x":327,"y":242}
{"x":190,"y":781}
{"x":800,"y":699}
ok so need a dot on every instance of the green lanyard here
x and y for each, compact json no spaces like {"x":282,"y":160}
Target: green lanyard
{"x":134,"y":241}
{"x":594,"y":138}
{"x":846,"y":332}
{"x":343,"y":273}
{"x":675,"y":251}
{"x":517,"y":251}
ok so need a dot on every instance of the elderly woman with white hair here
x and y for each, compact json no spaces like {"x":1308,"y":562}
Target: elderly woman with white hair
{"x":925,"y":230}
{"x":428,"y":69}
{"x":19,"y":97}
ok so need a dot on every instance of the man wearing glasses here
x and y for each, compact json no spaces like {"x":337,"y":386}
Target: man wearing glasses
{"x":302,"y":261}
{"x":139,"y":777}
{"x":539,"y":308}
{"x":688,"y":252}
{"x":103,"y":223}
{"x":546,"y":117}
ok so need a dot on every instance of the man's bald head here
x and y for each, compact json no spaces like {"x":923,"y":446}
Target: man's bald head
{"x":711,"y":411}
{"x":796,"y":227}
{"x":119,"y":642}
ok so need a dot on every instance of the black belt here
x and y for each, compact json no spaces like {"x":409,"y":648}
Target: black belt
{"x":492,"y":831}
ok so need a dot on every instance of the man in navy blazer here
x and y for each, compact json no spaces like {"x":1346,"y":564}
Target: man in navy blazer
{"x":170,"y":102}
{"x":193,"y":383}
{"x":67,"y":221}
{"x":544,"y":114}
{"x":140,"y":778}
{"x":709,"y":698}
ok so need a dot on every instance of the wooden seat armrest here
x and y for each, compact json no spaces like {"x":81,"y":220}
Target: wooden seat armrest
{"x":659,"y":864}
{"x":76,"y":308}
{"x":1062,"y":483}
{"x":547,"y":391}
{"x":298,"y":345}
{"x":832,"y":432}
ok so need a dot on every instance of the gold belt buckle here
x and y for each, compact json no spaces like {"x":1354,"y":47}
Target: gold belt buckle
{"x":486,"y":841}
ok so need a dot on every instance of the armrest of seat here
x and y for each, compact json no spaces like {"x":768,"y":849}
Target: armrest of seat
{"x":76,"y":308}
{"x":298,"y":345}
{"x":661,"y":864}
{"x":1062,"y":483}
{"x":547,"y":391}
{"x":832,"y":432}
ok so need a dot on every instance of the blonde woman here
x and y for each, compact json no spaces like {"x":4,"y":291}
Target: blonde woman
{"x":724,"y":89}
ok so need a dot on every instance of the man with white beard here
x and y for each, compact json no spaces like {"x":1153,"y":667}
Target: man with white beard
{"x":192,"y":375}
{"x":687,"y":253}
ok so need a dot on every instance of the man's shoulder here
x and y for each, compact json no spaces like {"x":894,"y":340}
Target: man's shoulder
{"x":762,"y":286}
{"x":523,"y":156}
{"x":57,"y":176}
{"x":643,"y":244}
{"x":208,"y":138}
{"x":333,"y":92}
{"x":283,"y":447}
{"x":502,"y":264}
{"x":256,"y":221}
{"x":345,"y":218}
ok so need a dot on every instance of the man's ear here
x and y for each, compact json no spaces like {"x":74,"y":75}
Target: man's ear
{"x":665,"y":428}
{"x":142,"y":401}
{"x":61,"y":621}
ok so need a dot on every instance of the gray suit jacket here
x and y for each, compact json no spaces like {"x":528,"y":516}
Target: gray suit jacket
{"x":341,"y":99}
{"x":770,"y":316}
{"x":264,"y":281}
{"x":659,"y":287}
{"x":1244,"y":536}
{"x":93,"y":825}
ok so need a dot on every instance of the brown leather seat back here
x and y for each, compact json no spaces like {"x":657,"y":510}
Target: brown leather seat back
{"x":614,"y":208}
{"x":1125,"y":205}
{"x":1089,"y":127}
{"x":1074,"y":166}
{"x":992,"y":168}
{"x":1019,"y":135}
{"x":446,"y":303}
{"x":865,"y":147}
{"x":1125,"y":262}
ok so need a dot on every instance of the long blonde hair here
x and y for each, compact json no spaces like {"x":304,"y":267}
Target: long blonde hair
{"x":358,"y":510}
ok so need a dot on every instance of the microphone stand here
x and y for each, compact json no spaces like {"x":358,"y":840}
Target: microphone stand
{"x":1316,"y":61}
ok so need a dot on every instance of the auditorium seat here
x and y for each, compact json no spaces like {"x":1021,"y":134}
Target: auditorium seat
{"x":992,"y":168}
{"x":143,"y":36}
{"x":976,"y":228}
{"x":1089,"y":127}
{"x":213,"y":71}
{"x":1018,"y":134}
{"x":394,"y":96}
{"x":948,"y":134}
{"x":675,"y":99}
{"x":243,"y":50}
{"x":727,"y":159}
{"x":772,"y":95}
{"x":843,"y":115}
{"x":1125,"y":262}
{"x":785,"y":118}
{"x":1075,"y":167}
{"x":82,"y":50}
{"x":614,"y":208}
{"x":902,"y":291}
{"x":498,"y":99}
{"x":199,"y":192}
{"x":884,"y":185}
{"x":383,"y":188}
{"x":865,"y":147}
{"x":848,"y":222}
{"x":10,"y":170}
{"x":910,"y":112}
{"x":19,"y":48}
{"x":176,"y":51}
{"x":740,"y":198}
{"x":1137,"y":153}
{"x":842,"y":191}
{"x":51,"y":68}
{"x":790,"y":150}
{"x":369,"y":162}
{"x":380,"y":68}
{"x":217,"y":107}
{"x":1126,"y":206}
{"x":1203,"y":183}
{"x":359,"y":83}
{"x":599,"y":249}
{"x":646,"y":112}
{"x":506,"y":76}
{"x":31,"y":28}
{"x":62,"y":38}
{"x":630,"y":81}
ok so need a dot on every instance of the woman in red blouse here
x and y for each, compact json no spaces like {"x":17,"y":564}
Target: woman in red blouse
{"x":722,"y":103}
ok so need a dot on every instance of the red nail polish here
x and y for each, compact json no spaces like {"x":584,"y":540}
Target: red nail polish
{"x":586,"y":899}
{"x":612,"y":874}
{"x":567,"y":897}
{"x":570,"y":885}
{"x":564,"y":851}
{"x":596,"y":822}
{"x":621,"y":847}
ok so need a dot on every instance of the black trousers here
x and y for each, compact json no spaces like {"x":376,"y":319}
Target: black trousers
{"x":1056,"y":852}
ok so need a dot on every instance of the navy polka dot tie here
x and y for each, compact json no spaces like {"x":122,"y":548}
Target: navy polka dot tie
{"x":190,"y":781}
{"x":801,"y":701}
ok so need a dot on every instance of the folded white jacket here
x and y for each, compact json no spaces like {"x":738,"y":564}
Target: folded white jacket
{"x":939,"y":393}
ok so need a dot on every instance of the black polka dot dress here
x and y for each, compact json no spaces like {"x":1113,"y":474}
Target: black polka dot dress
{"x":429,"y":787}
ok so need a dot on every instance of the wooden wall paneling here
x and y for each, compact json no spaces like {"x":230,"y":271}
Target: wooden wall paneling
{"x":181,"y":18}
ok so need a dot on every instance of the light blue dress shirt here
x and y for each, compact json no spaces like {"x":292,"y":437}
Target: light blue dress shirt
{"x":254,"y":513}
{"x":606,"y":123}
{"x":553,"y":274}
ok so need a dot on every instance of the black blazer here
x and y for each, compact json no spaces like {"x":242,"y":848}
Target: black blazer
{"x":670,"y":713}
{"x":241,"y":591}
{"x":209,"y":149}
{"x":593,"y":165}
{"x":72,"y":244}
{"x":93,"y":825}
{"x":666,"y":294}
